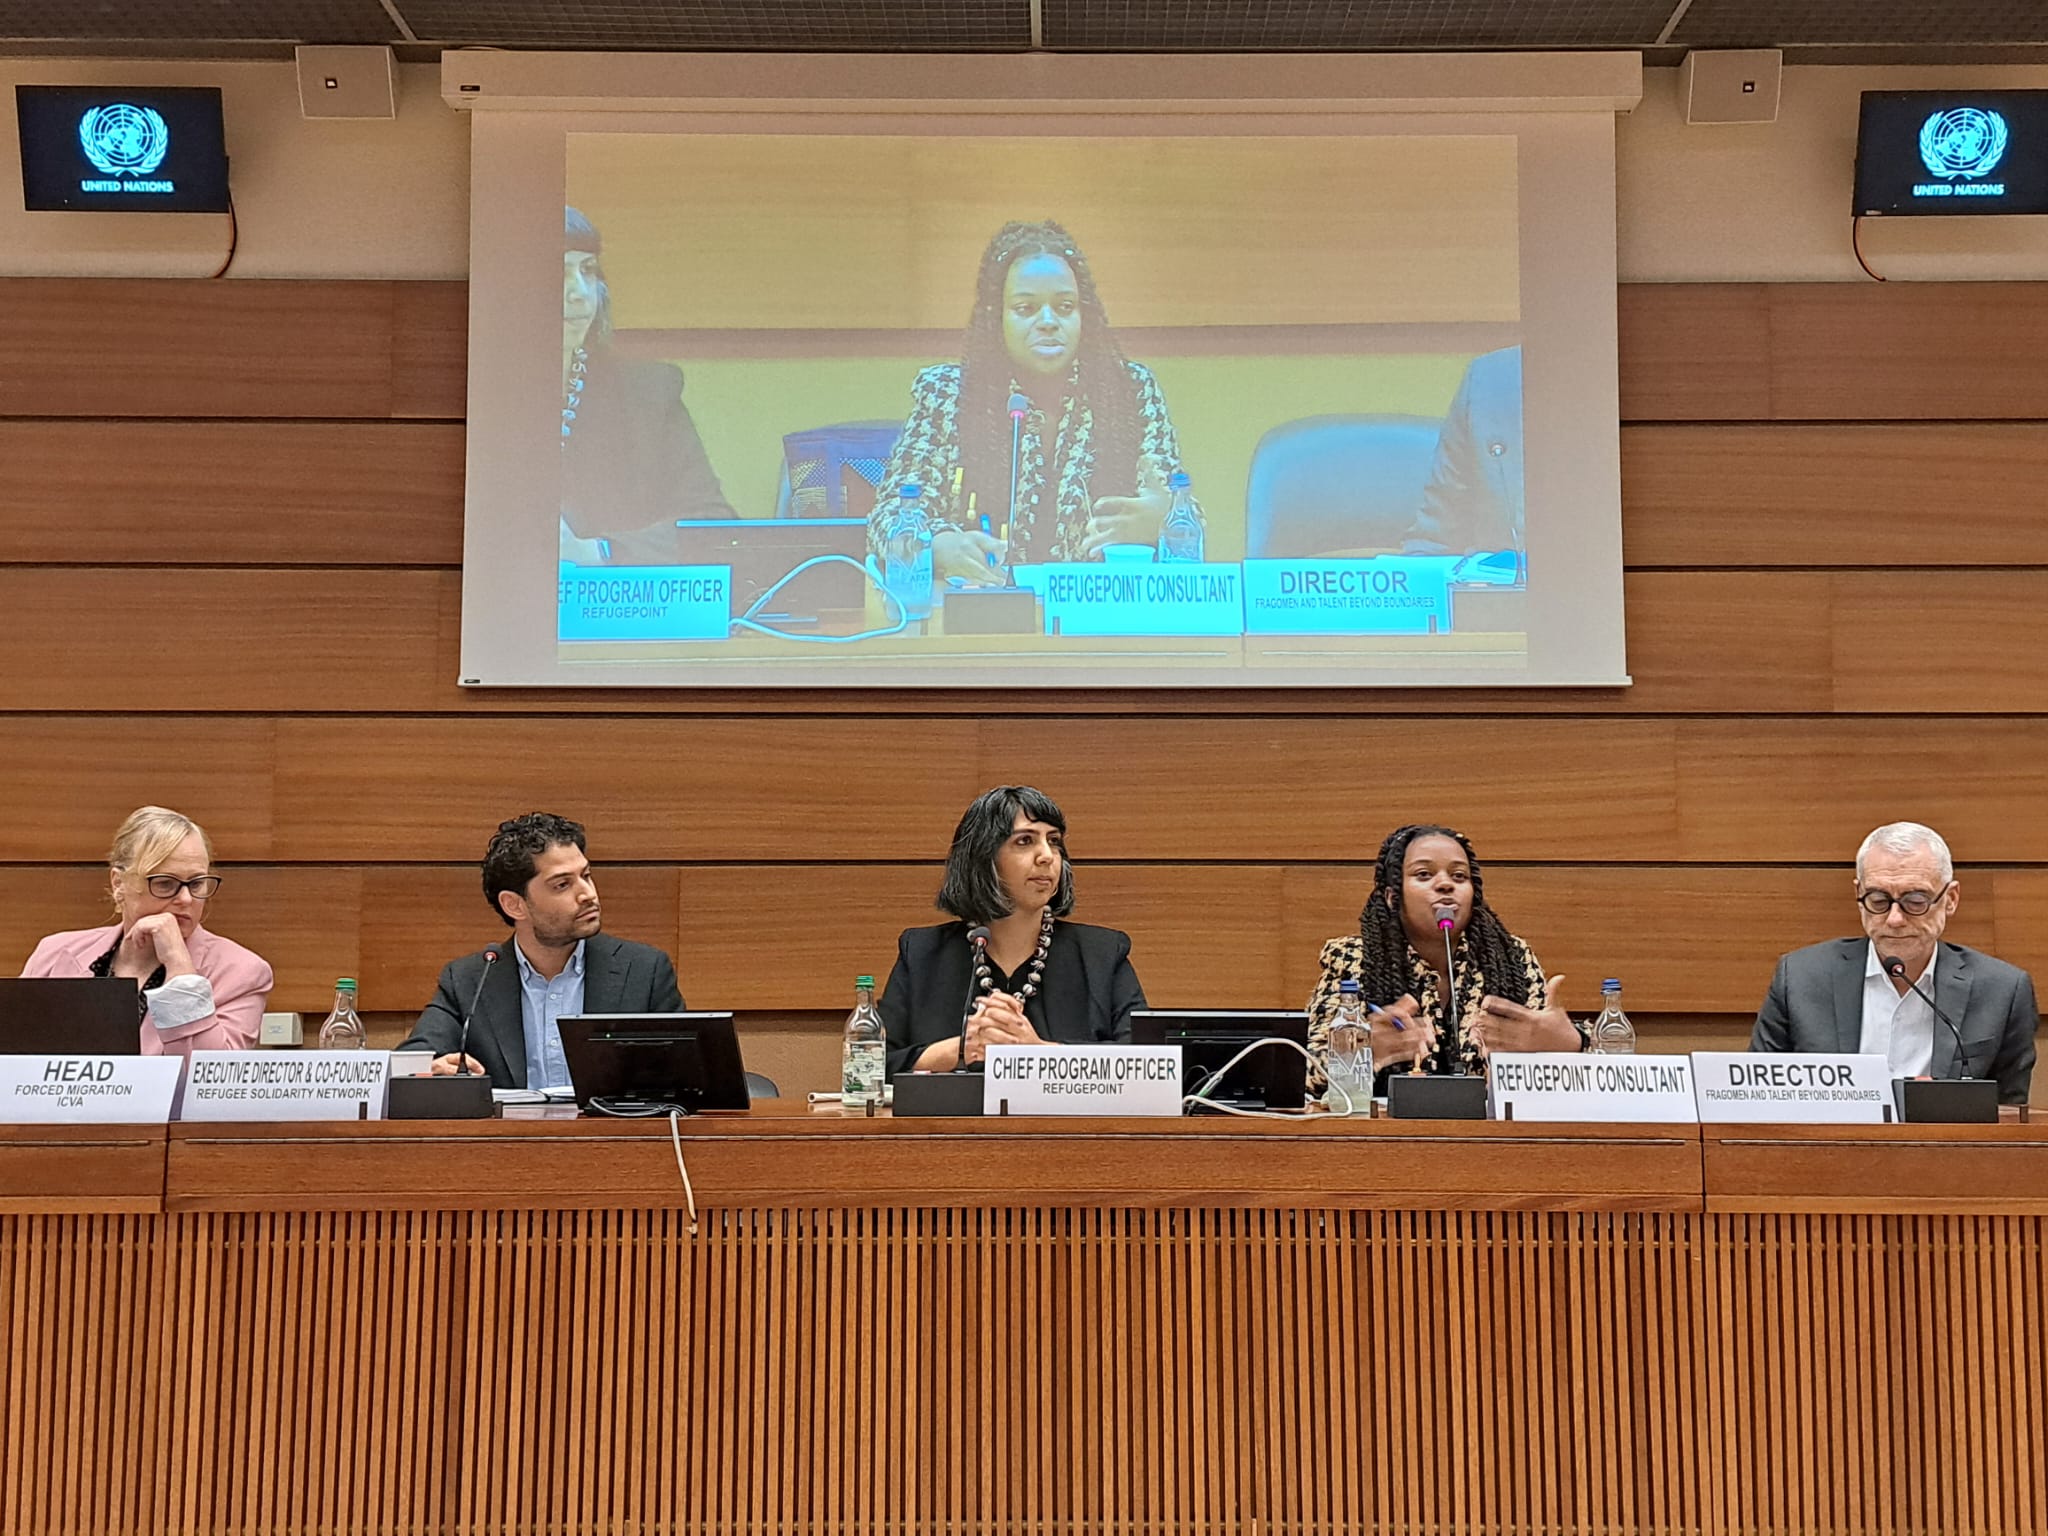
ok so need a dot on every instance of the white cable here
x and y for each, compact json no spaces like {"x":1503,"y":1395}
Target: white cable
{"x":890,"y":599}
{"x":1304,"y":1113}
{"x":675,"y":1131}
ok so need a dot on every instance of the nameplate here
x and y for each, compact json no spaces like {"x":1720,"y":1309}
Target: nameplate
{"x":1138,"y":597}
{"x":1819,"y":1088}
{"x":1548,"y":1086}
{"x":285,"y":1085}
{"x":1387,"y":595}
{"x":87,"y":1090}
{"x":644,"y":602}
{"x":1081,"y":1080}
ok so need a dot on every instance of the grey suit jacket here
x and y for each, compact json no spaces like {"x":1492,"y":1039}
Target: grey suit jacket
{"x":1816,"y":1004}
{"x":619,"y":976}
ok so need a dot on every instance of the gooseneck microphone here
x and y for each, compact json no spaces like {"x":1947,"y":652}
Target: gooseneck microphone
{"x":1446,"y":922}
{"x":977,"y":941}
{"x":1019,"y":404}
{"x":462,"y":1043}
{"x":1895,"y":968}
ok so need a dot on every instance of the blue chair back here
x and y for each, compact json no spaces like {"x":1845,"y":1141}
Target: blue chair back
{"x":1321,"y":484}
{"x":835,"y":471}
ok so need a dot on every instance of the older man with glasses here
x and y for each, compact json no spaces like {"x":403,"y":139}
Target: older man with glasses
{"x":1929,"y":1008}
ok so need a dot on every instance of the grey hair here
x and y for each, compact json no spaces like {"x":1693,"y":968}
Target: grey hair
{"x":1904,"y":838}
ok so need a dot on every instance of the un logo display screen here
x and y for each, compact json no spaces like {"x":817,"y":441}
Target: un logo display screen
{"x":122,"y":149}
{"x":1952,"y":152}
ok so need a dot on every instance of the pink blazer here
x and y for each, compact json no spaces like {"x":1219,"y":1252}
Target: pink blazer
{"x":240,"y":979}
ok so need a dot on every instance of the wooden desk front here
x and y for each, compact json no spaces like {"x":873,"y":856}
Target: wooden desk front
{"x":1034,"y":1326}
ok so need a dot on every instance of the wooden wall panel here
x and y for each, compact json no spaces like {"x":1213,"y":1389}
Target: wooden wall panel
{"x":280,"y":641}
{"x":789,"y":938}
{"x":155,"y":493}
{"x":374,"y":641}
{"x":1908,"y":351}
{"x":251,"y":349}
{"x":1842,"y":495}
{"x":1695,"y":352}
{"x":66,"y":782}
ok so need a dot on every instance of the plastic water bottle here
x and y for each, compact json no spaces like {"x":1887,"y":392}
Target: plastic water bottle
{"x":1349,"y":1065}
{"x":1612,"y":1034}
{"x":343,"y":1030}
{"x":866,"y":1050}
{"x":1180,"y":536}
{"x":907,"y":553}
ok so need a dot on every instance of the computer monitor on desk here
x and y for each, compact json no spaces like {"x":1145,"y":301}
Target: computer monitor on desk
{"x":1272,"y":1077}
{"x":69,"y":1016}
{"x":652,"y":1063}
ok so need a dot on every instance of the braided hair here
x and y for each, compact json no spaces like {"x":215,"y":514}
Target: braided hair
{"x":1101,"y":381}
{"x":1384,"y":973}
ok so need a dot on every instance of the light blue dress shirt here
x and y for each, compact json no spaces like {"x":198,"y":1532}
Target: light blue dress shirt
{"x":542,"y":1003}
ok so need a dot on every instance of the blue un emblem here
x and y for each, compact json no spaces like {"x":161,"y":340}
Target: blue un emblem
{"x":1963,"y":141}
{"x":122,"y":140}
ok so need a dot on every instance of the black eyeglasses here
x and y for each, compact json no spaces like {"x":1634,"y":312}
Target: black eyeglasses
{"x":166,"y":887}
{"x":1912,"y":903}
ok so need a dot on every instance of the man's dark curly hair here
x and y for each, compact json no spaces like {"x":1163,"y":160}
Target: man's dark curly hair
{"x":516,"y":848}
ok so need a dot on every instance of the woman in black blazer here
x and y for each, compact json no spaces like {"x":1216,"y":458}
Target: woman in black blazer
{"x":1038,"y":980}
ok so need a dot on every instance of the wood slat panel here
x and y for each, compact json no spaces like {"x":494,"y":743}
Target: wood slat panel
{"x":1711,"y":642}
{"x":231,"y":493}
{"x":67,"y":782}
{"x":380,"y":788}
{"x":1685,"y":939}
{"x":1908,"y":351}
{"x":783,"y":1153}
{"x":282,"y":641}
{"x":1689,"y":352}
{"x":1895,"y":495}
{"x":259,"y":349}
{"x":1694,"y":351}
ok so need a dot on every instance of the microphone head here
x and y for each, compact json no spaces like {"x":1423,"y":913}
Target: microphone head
{"x":1446,"y":916}
{"x":1019,"y":402}
{"x":491,"y":955}
{"x":1893,"y":965}
{"x":978,"y":935}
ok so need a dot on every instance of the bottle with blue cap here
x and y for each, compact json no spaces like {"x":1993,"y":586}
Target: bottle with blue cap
{"x":907,"y":554}
{"x":1348,"y":1065}
{"x":1611,"y":1034}
{"x":1180,"y":536}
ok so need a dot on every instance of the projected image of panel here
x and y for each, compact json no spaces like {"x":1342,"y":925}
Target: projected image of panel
{"x":1228,"y":404}
{"x":973,"y":409}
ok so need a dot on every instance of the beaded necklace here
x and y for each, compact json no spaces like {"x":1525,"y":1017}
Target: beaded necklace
{"x":572,"y":397}
{"x":984,"y":977}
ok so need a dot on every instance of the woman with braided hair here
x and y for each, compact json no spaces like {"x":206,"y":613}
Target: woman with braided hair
{"x":1424,"y":875}
{"x":1096,"y":446}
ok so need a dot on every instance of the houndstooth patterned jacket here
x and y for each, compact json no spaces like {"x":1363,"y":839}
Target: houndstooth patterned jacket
{"x":929,"y":450}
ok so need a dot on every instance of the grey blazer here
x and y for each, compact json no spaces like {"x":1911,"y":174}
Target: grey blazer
{"x":619,"y":976}
{"x":1816,"y":1004}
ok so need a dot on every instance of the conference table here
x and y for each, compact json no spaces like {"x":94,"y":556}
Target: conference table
{"x":1022,"y":1325}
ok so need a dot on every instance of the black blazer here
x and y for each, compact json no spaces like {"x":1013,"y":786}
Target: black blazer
{"x":1816,"y":1004}
{"x":634,"y":465}
{"x":619,"y":976}
{"x":1085,"y":997}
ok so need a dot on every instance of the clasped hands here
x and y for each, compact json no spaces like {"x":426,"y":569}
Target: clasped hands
{"x":997,"y":1019}
{"x":1401,"y":1037}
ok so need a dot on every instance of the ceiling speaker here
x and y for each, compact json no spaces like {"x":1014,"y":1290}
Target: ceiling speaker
{"x":346,"y":82}
{"x":1731,"y":85}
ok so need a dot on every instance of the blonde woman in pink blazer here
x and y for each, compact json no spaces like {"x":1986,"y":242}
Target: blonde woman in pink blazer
{"x":200,"y":992}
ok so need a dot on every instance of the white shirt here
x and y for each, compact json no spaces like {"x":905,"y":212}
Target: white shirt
{"x":1900,"y":1029}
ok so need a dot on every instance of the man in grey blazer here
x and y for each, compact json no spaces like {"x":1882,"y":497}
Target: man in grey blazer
{"x":559,"y":964}
{"x":1838,"y":996}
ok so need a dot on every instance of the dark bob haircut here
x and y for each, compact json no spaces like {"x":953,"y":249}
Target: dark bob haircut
{"x":972,"y":892}
{"x":517,"y":846}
